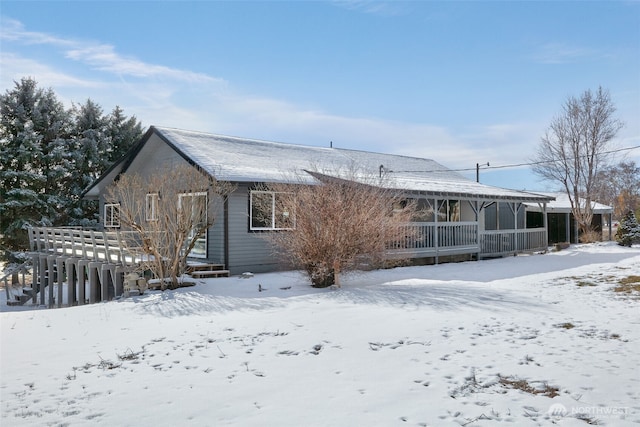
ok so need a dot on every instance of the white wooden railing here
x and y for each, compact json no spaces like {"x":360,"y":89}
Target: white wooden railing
{"x":430,"y":238}
{"x":502,"y":242}
{"x":74,"y":266}
{"x":107,"y":246}
{"x":426,"y":239}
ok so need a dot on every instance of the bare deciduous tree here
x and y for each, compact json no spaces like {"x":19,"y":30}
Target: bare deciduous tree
{"x":337,"y":223}
{"x":166,"y":215}
{"x":619,"y":186}
{"x":576,"y":146}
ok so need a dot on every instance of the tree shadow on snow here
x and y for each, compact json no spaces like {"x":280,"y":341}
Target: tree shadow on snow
{"x":450,"y":296}
{"x":174,"y":304}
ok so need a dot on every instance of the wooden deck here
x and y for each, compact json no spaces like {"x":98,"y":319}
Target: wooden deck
{"x":72,"y":266}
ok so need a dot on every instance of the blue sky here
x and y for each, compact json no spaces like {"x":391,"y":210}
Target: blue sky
{"x":459,"y":82}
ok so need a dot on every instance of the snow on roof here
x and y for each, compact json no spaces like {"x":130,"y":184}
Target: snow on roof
{"x":250,"y":160}
{"x":561,"y":204}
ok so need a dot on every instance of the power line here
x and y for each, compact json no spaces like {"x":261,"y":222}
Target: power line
{"x":514,"y":165}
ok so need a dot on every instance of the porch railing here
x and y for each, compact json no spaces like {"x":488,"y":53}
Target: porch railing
{"x":430,"y":239}
{"x":503,"y":242}
{"x":106,"y":246}
{"x":74,"y":266}
{"x":425,"y":239}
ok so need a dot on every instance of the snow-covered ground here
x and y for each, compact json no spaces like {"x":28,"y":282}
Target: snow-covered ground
{"x":470,"y":344}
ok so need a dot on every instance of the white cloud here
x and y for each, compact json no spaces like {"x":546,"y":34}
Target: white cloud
{"x":12,"y":30}
{"x":104,"y":58}
{"x":99,"y":56}
{"x":164,"y":96}
{"x":14,"y":67}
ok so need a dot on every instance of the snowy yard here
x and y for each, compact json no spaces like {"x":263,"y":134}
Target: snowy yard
{"x":520,"y":341}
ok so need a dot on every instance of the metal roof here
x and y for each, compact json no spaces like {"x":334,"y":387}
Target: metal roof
{"x":236,"y":159}
{"x":250,"y":160}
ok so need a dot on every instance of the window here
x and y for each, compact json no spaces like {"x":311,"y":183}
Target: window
{"x":424,"y":211}
{"x":112,"y":215}
{"x":269,"y":211}
{"x":501,"y":216}
{"x":195,"y":206}
{"x":448,"y":211}
{"x":151,"y":211}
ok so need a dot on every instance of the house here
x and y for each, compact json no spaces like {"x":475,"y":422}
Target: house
{"x":462,"y":219}
{"x":561,"y":225}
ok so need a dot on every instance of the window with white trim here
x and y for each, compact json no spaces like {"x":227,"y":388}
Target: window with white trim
{"x":112,"y":215}
{"x":151,"y":211}
{"x":195,"y":204}
{"x":269,"y":211}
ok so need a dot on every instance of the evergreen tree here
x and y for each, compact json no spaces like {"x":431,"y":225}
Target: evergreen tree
{"x":99,"y":140}
{"x":89,"y":146}
{"x":124,"y":132}
{"x":33,"y":142}
{"x":49,"y":156}
{"x":629,"y":230}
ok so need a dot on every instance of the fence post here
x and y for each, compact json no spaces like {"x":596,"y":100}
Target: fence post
{"x":42,"y":267}
{"x":83,"y":264}
{"x":94,"y":280}
{"x":108,"y":271}
{"x":72,"y":275}
{"x":60,"y":276}
{"x":51,"y":260}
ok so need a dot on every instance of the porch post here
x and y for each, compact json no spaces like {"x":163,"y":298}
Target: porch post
{"x":478,"y":242}
{"x":225,"y":238}
{"x":545,"y":224}
{"x":515,"y":222}
{"x":436,"y":231}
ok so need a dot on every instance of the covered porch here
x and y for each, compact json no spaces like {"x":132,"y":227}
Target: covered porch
{"x":435,"y":240}
{"x":560,"y":222}
{"x":474,"y":227}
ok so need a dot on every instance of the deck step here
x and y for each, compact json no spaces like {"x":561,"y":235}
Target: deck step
{"x":204,"y":267}
{"x":202,"y":274}
{"x":19,"y":300}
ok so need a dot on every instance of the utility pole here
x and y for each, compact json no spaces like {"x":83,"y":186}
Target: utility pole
{"x":478,"y":171}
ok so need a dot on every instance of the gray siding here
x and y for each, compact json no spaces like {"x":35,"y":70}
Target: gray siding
{"x":154,"y":155}
{"x":229,"y":240}
{"x":215,"y":236}
{"x":248,"y":250}
{"x":506,"y":220}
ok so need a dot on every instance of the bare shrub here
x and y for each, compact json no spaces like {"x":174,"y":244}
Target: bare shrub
{"x":335,"y":224}
{"x":590,"y":236}
{"x":167,"y":214}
